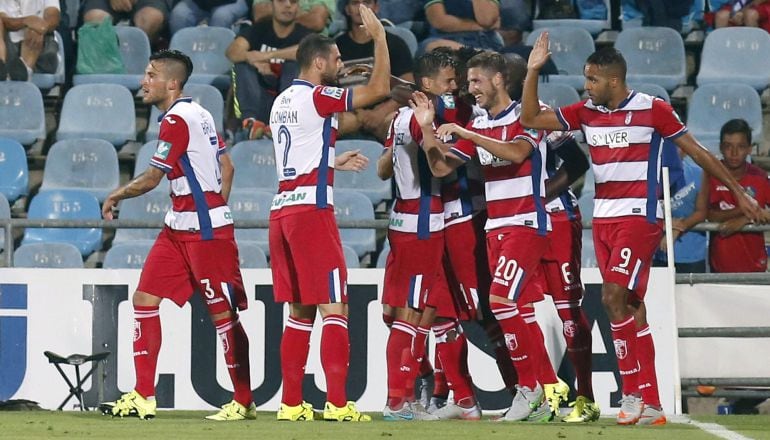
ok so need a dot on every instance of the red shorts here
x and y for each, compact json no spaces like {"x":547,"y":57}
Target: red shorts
{"x":514,"y":258}
{"x":175,"y":269}
{"x":306,"y":259}
{"x":445,"y":299}
{"x":466,"y":264}
{"x":559,"y":274}
{"x":412,"y":268}
{"x":624,"y":252}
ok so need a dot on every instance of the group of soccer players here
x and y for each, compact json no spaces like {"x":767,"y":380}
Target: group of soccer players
{"x":483,"y":225}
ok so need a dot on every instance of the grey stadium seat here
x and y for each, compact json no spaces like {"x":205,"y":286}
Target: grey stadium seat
{"x":738,"y":55}
{"x":366,"y":182}
{"x":654,"y":55}
{"x":100,"y":111}
{"x":48,"y":255}
{"x":351,"y":257}
{"x":570,"y":46}
{"x":351,"y":205}
{"x":588,"y":254}
{"x":127,"y":255}
{"x":251,"y":205}
{"x":151,"y":206}
{"x":592,"y":26}
{"x":207,"y":96}
{"x":22,"y":116}
{"x":714,"y":104}
{"x":652,"y":90}
{"x":14,"y":171}
{"x":557,"y":94}
{"x":251,"y":256}
{"x":89,"y":165}
{"x":206,"y":46}
{"x":255,"y":165}
{"x":135,"y":52}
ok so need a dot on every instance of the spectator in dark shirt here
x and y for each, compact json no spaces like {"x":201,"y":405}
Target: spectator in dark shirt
{"x":457,"y":23}
{"x":315,"y":15}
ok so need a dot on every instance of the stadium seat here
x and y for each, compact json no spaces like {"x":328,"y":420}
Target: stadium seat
{"x":557,"y":94}
{"x":22,"y":116}
{"x":351,"y":205}
{"x":48,"y":255}
{"x":738,"y":55}
{"x":251,"y":256}
{"x":406,"y":35}
{"x":206,"y":46}
{"x":151,"y":206}
{"x":653,"y":55}
{"x":589,"y":182}
{"x":714,"y":104}
{"x":127,"y":255}
{"x":586,"y":205}
{"x":383,"y":257}
{"x":65,"y":204}
{"x":14,"y":172}
{"x":90,"y":165}
{"x":366,"y":182}
{"x":46,"y":81}
{"x":5,"y":214}
{"x":207,"y":96}
{"x":651,"y":89}
{"x":592,"y":26}
{"x":100,"y":111}
{"x":251,"y":205}
{"x":570,"y":46}
{"x":351,"y":257}
{"x":588,"y":254}
{"x":255,"y":165}
{"x":135,"y":51}
{"x":142,"y":160}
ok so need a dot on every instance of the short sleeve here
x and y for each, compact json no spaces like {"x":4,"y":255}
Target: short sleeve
{"x":569,"y":116}
{"x":329,"y":100}
{"x":464,"y":148}
{"x":530,"y":135}
{"x":666,"y":121}
{"x":173,"y":140}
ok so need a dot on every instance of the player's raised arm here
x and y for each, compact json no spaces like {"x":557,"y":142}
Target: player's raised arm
{"x":143,"y":183}
{"x":441,"y":162}
{"x":532,"y":115}
{"x":378,"y":86}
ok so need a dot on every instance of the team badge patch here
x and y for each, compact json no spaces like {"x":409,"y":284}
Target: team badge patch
{"x":162,"y":151}
{"x":225,"y":345}
{"x":621,"y":349}
{"x":137,"y":330}
{"x":333,"y":92}
{"x":628,"y":118}
{"x":511,"y":342}
{"x":570,"y":329}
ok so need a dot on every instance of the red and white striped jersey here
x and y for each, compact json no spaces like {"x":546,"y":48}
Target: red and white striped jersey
{"x":625,"y":146}
{"x":188,"y":152}
{"x":515,"y":193}
{"x":304,"y":125}
{"x":418,"y":208}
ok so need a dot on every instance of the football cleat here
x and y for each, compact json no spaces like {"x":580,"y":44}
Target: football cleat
{"x":555,"y":393}
{"x":300,"y":413}
{"x":652,"y":416}
{"x":583,"y":410}
{"x":130,"y":404}
{"x":630,"y":409}
{"x":408,"y":412}
{"x":347,"y":413}
{"x":454,"y":411}
{"x":526,"y":402}
{"x":436,"y":403}
{"x":234,"y":411}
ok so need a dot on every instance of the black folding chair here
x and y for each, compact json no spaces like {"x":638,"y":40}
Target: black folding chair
{"x":77,"y":360}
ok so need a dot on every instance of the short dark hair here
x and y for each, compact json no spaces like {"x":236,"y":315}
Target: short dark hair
{"x":429,"y":63}
{"x":517,"y":71}
{"x":312,"y":47}
{"x":178,"y":58}
{"x":609,"y":57}
{"x":734,"y":126}
{"x":489,"y":60}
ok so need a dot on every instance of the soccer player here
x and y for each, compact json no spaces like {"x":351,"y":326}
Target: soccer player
{"x":196,"y":249}
{"x":731,"y":250}
{"x":624,"y":130}
{"x":306,"y":256}
{"x":512,"y":161}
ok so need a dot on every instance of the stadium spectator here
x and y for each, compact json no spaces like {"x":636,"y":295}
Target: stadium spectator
{"x":750,"y":13}
{"x":401,"y":11}
{"x":222,"y":13}
{"x":515,"y":19}
{"x":315,"y":15}
{"x":729,"y":249}
{"x":456,"y":23}
{"x":264,"y":57}
{"x":196,"y":250}
{"x":668,"y":13}
{"x":28,"y":38}
{"x":148,"y":15}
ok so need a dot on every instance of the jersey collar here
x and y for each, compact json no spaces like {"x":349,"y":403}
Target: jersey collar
{"x":182,"y":99}
{"x":503,"y":113}
{"x":302,"y":82}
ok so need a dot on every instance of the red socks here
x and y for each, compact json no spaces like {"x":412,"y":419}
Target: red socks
{"x":398,"y":356}
{"x":577,"y":334}
{"x":452,"y":349}
{"x":440,"y":388}
{"x":518,"y":342}
{"x":545,"y":373}
{"x":335,"y":358}
{"x":648,"y":380}
{"x":236,"y":348}
{"x":295,"y":345}
{"x":624,"y":339}
{"x":147,"y":340}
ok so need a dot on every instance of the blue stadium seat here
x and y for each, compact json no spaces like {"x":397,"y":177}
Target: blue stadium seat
{"x":586,"y":205}
{"x":591,"y":25}
{"x":206,"y":46}
{"x":151,"y":206}
{"x":366,"y":182}
{"x":654,"y":55}
{"x":251,"y":205}
{"x":651,"y":89}
{"x":142,"y":160}
{"x":351,"y":205}
{"x":135,"y":51}
{"x":48,"y":255}
{"x":100,"y":111}
{"x":207,"y":96}
{"x":406,"y":35}
{"x":66,"y":204}
{"x":570,"y":47}
{"x":351,"y":257}
{"x":738,"y":55}
{"x":383,"y":257}
{"x":557,"y":94}
{"x":22,"y":116}
{"x":127,"y":255}
{"x":90,"y":165}
{"x":251,"y":256}
{"x":255,"y":165}
{"x":14,"y":171}
{"x":46,"y":81}
{"x":5,"y":214}
{"x":588,"y":254}
{"x":714,"y":104}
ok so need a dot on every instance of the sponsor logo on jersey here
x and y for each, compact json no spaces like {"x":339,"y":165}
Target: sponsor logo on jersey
{"x":487,"y":158}
{"x":162,"y":151}
{"x":531,"y":131}
{"x":400,"y":139}
{"x":332,"y":92}
{"x":449,"y":101}
{"x":291,"y":198}
{"x":615,"y":139}
{"x":621,"y":349}
{"x":170,"y":120}
{"x":619,"y":270}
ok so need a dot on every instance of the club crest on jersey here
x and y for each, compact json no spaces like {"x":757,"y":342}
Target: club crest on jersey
{"x":621,"y":349}
{"x":162,"y":151}
{"x":449,"y":101}
{"x":511,"y":342}
{"x":332,"y":92}
{"x":628,"y":118}
{"x":137,"y":330}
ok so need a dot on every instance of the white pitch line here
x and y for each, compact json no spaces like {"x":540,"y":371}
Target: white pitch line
{"x":712,"y":428}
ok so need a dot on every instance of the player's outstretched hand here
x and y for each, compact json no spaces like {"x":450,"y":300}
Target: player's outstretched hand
{"x":540,"y":52}
{"x":730,"y":227}
{"x":107,"y":207}
{"x":357,"y":69}
{"x":751,"y":209}
{"x":452,"y":129}
{"x":351,"y":161}
{"x":424,"y":112}
{"x":372,"y":23}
